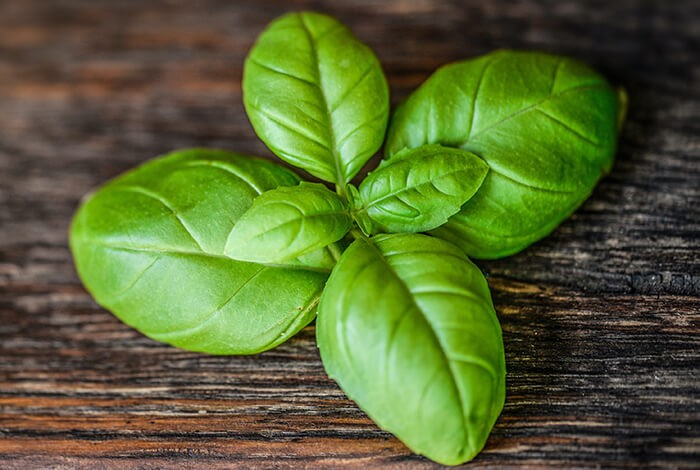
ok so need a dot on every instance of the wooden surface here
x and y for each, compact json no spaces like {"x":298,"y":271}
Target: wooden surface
{"x":601,"y":320}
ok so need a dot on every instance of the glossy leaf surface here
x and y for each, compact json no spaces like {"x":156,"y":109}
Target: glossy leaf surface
{"x":149,"y":246}
{"x":420,"y":188}
{"x":407,"y":328}
{"x":289,"y":222}
{"x":546,"y":126}
{"x":316,"y":95}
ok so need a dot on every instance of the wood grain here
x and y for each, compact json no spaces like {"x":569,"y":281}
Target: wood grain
{"x":601,"y":320}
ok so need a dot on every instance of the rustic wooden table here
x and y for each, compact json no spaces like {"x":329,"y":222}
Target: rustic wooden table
{"x":601,"y":320}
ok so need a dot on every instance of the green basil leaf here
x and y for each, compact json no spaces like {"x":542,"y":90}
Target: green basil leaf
{"x":149,"y":246}
{"x":546,"y":126}
{"x":316,"y":95}
{"x":289,"y":222}
{"x":407,"y":328}
{"x":419,"y":189}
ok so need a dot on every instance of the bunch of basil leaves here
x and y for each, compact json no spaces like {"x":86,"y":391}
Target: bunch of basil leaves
{"x":222,"y":253}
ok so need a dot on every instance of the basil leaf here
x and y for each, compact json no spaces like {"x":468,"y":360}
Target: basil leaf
{"x":288,"y":222}
{"x":546,"y":126}
{"x":419,"y":189}
{"x":316,"y":95}
{"x":407,"y":328}
{"x":149,"y":246}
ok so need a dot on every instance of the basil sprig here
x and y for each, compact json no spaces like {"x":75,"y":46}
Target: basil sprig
{"x":221,"y":253}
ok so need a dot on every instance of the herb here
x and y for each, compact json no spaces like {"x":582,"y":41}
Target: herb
{"x":217,"y":252}
{"x":316,"y":96}
{"x":289,"y":222}
{"x":149,"y":246}
{"x":419,"y":189}
{"x":545,"y":125}
{"x":407,"y":328}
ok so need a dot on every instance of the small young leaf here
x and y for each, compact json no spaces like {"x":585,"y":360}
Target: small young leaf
{"x":316,"y":95}
{"x":149,"y":246}
{"x":288,"y":222}
{"x":419,"y":189}
{"x":407,"y":328}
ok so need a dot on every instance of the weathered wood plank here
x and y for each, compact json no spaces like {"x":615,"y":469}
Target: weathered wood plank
{"x":601,"y":320}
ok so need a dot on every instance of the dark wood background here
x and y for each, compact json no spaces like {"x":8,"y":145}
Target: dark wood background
{"x":601,"y":320}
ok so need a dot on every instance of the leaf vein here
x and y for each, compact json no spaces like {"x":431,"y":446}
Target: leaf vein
{"x":364,"y":123}
{"x":391,"y":341}
{"x":167,"y":205}
{"x":228,"y":169}
{"x":590,"y":86}
{"x":131,"y":285}
{"x":210,"y":316}
{"x":475,"y":361}
{"x":288,"y":125}
{"x":501,"y":172}
{"x":350,"y":89}
{"x":402,"y":189}
{"x":476,"y":95}
{"x":441,"y":346}
{"x":279,"y":71}
{"x":556,"y":75}
{"x":569,"y":128}
{"x":456,"y":293}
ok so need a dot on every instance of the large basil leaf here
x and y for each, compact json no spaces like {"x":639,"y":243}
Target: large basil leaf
{"x":289,"y":222}
{"x":407,"y":328}
{"x":419,"y":189}
{"x":149,"y":246}
{"x":316,"y":95}
{"x":546,"y":126}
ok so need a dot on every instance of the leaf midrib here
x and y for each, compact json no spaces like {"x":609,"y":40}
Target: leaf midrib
{"x":301,"y":218}
{"x":466,"y":144}
{"x":441,"y":347}
{"x":340,"y":179}
{"x":395,"y":193}
{"x":589,"y":86}
{"x":171,"y":251}
{"x":165,"y":203}
{"x":209,"y":315}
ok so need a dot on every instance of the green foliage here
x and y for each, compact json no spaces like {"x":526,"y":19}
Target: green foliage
{"x":220,"y":253}
{"x":546,"y":126}
{"x":407,"y":328}
{"x":419,"y":189}
{"x":316,"y":96}
{"x":149,"y":246}
{"x":289,"y":222}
